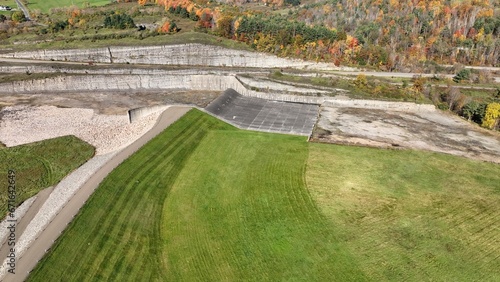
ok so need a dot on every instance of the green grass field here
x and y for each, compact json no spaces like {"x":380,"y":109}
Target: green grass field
{"x":40,"y":165}
{"x":242,"y":212}
{"x":411,"y":215}
{"x":125,"y":242}
{"x":10,"y":3}
{"x":45,"y":5}
{"x":204,"y":201}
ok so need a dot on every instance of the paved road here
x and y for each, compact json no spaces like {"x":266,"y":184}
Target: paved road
{"x":36,"y":251}
{"x":23,"y":8}
{"x":26,"y":219}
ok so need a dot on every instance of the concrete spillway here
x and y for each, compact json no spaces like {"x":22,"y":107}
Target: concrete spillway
{"x":264,"y":115}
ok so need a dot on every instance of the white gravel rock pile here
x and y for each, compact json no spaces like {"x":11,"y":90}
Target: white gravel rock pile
{"x":18,"y":214}
{"x":24,"y":124}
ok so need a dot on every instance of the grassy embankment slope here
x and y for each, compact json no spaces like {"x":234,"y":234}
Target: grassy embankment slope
{"x":205,"y":201}
{"x":45,"y":5}
{"x":40,"y":165}
{"x":179,"y":38}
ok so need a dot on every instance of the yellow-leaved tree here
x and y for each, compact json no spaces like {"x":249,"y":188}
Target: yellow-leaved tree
{"x":491,"y":118}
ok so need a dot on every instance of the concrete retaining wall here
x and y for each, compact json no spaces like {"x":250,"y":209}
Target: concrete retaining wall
{"x":280,"y":87}
{"x":138,"y":113}
{"x":221,"y":83}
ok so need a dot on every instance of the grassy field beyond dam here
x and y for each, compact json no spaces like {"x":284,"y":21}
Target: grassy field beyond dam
{"x":206,"y":201}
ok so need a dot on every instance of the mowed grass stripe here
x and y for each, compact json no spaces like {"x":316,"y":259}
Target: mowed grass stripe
{"x":246,"y":220}
{"x":127,"y":202}
{"x":162,"y":159}
{"x":435,"y":217}
{"x":149,"y":168}
{"x":132,"y":182}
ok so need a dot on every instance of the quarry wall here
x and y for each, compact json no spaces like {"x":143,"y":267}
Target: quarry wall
{"x":381,"y":105}
{"x":202,"y":82}
{"x":103,"y":70}
{"x":192,"y":54}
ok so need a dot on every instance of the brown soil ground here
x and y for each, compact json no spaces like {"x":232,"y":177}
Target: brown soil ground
{"x":112,"y":103}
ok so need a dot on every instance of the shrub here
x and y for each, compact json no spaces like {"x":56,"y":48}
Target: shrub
{"x":462,"y":75}
{"x":58,"y":26}
{"x":361,"y":81}
{"x":119,"y":21}
{"x":491,"y":118}
{"x":474,"y":111}
{"x":18,"y":16}
{"x":443,"y":106}
{"x":293,"y":2}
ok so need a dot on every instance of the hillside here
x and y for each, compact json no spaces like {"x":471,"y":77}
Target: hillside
{"x":386,"y":34}
{"x":382,"y":34}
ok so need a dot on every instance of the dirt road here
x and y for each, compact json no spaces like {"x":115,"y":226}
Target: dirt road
{"x":37,"y":250}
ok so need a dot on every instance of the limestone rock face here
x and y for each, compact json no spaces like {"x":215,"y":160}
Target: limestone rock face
{"x":97,"y":82}
{"x":181,"y":54}
{"x":202,"y":82}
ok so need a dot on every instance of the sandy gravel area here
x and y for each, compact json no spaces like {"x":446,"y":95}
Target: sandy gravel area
{"x":23,"y":124}
{"x":426,"y":130}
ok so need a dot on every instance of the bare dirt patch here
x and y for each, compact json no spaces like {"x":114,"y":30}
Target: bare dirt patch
{"x":426,"y":130}
{"x":112,"y":103}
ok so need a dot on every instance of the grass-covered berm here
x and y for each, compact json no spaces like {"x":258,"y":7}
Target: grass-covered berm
{"x":204,"y":201}
{"x":39,"y":165}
